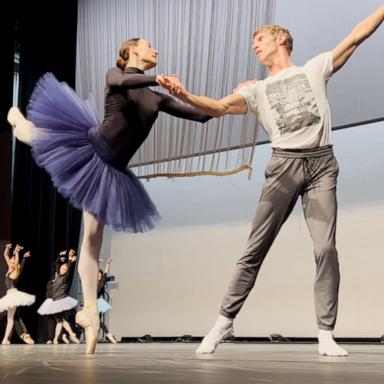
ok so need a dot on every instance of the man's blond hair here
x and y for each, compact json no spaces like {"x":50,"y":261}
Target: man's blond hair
{"x":277,"y":30}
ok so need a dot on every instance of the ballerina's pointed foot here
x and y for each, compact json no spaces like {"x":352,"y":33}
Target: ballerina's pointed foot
{"x":27,"y":339}
{"x":14,"y":116}
{"x":111,"y":338}
{"x":74,"y":338}
{"x":23,"y":129}
{"x":88,"y":318}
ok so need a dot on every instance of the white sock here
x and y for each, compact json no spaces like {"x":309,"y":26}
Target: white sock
{"x":328,"y":346}
{"x":222,"y":328}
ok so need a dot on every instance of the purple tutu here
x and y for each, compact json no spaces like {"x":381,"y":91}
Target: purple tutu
{"x":67,"y":145}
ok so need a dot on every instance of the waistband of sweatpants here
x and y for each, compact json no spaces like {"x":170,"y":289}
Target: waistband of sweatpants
{"x":303,"y":153}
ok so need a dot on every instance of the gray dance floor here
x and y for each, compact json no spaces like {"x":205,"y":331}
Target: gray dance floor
{"x":177,"y":363}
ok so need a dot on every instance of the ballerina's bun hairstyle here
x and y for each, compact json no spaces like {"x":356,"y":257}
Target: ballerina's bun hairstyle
{"x":123,"y":58}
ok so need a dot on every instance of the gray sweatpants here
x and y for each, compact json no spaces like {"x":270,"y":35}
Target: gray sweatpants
{"x":311,"y":174}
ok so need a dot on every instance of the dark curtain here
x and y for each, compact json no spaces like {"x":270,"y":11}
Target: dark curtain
{"x":7,"y":26}
{"x":42,"y":220}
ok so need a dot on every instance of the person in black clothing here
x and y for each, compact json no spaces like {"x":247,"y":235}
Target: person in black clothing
{"x":61,"y":301}
{"x":87,"y":159}
{"x":102,"y":304}
{"x":15,"y":298}
{"x":47,"y":304}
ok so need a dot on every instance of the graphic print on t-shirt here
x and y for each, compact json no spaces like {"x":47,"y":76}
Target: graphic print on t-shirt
{"x":293,"y":103}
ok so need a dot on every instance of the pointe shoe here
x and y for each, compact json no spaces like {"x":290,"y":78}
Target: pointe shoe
{"x":23,"y":129}
{"x":55,"y":341}
{"x":65,"y":339}
{"x":74,"y":338}
{"x":111,"y":338}
{"x":5,"y":342}
{"x":88,"y":318}
{"x":27,"y":339}
{"x":49,"y":341}
{"x":15,"y":116}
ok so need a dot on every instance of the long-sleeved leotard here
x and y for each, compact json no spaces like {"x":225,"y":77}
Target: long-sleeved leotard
{"x":131,"y":109}
{"x":62,"y":283}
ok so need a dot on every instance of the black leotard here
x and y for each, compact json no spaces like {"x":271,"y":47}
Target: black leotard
{"x":131,"y":109}
{"x":12,"y":283}
{"x":62,"y":283}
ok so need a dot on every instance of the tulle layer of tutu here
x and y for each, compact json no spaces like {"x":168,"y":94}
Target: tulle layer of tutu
{"x":103,"y":305}
{"x":14,"y":298}
{"x":50,"y":307}
{"x":68,"y":147}
{"x":43,"y":307}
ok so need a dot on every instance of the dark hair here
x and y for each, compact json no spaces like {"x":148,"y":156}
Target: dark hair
{"x":123,"y":58}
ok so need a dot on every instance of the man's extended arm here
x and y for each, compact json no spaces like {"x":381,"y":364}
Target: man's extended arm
{"x":233,"y":104}
{"x":342,"y":52}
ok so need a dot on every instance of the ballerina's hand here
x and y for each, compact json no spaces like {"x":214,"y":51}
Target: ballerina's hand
{"x":176,"y":87}
{"x":164,"y":81}
{"x":244,"y":84}
{"x":27,"y":254}
{"x":18,"y":248}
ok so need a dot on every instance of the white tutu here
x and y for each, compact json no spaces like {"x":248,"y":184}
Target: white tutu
{"x":103,"y":305}
{"x":57,"y":306}
{"x":43,"y":307}
{"x":15,"y":298}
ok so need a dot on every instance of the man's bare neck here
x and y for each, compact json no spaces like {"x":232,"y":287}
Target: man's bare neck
{"x":280,"y":64}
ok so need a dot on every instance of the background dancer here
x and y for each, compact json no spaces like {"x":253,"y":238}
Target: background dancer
{"x":102,"y":304}
{"x":15,"y":298}
{"x":51,"y":322}
{"x":61,"y":301}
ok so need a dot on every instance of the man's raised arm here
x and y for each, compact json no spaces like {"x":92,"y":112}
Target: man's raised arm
{"x":343,"y":51}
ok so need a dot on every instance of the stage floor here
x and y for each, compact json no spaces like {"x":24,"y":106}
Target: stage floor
{"x":177,"y":363}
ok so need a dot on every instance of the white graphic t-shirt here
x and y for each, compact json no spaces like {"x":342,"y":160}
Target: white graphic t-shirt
{"x":292,"y":105}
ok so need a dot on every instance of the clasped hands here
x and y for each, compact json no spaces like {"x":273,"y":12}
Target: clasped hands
{"x":173,"y":85}
{"x":176,"y":87}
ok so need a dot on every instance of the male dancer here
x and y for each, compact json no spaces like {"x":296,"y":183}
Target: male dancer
{"x":292,"y":106}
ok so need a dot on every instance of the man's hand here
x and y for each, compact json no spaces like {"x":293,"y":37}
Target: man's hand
{"x":27,"y":254}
